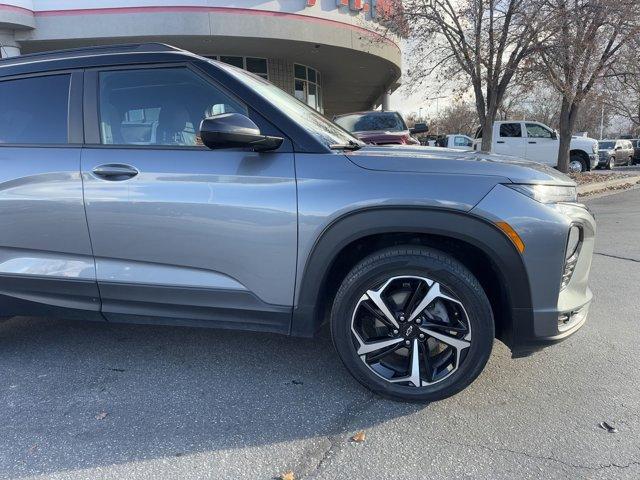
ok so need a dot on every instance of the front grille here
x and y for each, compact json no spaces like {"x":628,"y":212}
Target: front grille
{"x":572,"y":254}
{"x":569,"y":267}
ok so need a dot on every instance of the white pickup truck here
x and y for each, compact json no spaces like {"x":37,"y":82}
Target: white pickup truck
{"x":537,"y":142}
{"x":456,"y":141}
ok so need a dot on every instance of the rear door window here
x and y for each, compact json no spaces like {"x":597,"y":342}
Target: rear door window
{"x":34,"y":110}
{"x":510,"y":130}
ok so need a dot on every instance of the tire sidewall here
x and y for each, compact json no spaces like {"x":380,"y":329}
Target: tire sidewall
{"x":475,"y":303}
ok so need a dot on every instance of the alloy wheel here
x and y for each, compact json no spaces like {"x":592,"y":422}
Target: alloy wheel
{"x":411,"y":331}
{"x":575,"y":166}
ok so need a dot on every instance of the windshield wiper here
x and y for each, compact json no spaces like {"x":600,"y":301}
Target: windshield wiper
{"x":346,"y":146}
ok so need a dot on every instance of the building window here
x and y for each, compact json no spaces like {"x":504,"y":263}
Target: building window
{"x":258,"y":66}
{"x":308,"y":86}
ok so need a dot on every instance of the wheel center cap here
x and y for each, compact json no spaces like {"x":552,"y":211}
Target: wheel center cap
{"x":410,"y":331}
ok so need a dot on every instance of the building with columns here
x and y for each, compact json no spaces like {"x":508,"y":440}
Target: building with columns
{"x":329,"y":53}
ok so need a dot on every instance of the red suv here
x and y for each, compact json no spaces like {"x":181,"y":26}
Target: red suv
{"x":380,"y":128}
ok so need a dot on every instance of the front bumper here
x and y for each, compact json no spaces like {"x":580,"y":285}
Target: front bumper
{"x":555,"y":313}
{"x":603,"y":157}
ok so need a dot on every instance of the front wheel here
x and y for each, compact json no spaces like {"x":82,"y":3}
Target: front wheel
{"x":610,"y":163}
{"x":412,"y":323}
{"x":577,"y":164}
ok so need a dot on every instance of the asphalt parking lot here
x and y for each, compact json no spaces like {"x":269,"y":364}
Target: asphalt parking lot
{"x":190,"y":403}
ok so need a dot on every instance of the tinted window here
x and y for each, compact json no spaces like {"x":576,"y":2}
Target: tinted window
{"x":605,"y":145}
{"x":537,"y":131}
{"x":510,"y":130}
{"x":158,"y":106}
{"x":362,"y":122}
{"x":34,"y":110}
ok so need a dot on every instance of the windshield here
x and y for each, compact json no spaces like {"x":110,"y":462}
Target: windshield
{"x":372,"y":121}
{"x":324,"y":130}
{"x":605,"y":145}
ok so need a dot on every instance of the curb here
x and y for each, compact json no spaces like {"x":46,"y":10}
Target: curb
{"x":600,"y":186}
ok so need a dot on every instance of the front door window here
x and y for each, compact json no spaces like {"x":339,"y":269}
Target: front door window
{"x":158,"y":106}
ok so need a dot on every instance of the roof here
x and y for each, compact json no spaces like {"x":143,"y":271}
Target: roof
{"x":366,"y":112}
{"x":89,"y":57}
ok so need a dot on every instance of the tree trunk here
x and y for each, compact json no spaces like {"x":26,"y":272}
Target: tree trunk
{"x":566,"y":124}
{"x":487,"y":133}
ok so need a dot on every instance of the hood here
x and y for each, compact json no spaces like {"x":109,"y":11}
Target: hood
{"x":586,"y":142}
{"x":380,"y":136}
{"x":401,"y":158}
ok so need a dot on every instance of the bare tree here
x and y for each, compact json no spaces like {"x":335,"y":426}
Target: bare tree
{"x":477,"y":44}
{"x":583,"y":41}
{"x":623,"y":85}
{"x":459,"y":117}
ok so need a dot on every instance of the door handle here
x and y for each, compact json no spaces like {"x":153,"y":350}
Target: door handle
{"x":500,"y":141}
{"x":115,"y":172}
{"x":533,"y":142}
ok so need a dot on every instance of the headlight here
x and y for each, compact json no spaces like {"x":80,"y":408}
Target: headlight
{"x":595,"y":148}
{"x":547,"y":193}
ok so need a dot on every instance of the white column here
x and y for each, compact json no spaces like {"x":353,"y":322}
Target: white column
{"x":385,"y":100}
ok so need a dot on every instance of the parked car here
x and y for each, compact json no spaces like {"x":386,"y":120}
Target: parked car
{"x":636,"y":150}
{"x":380,"y":128}
{"x":537,"y":142}
{"x":128,"y":200}
{"x":615,"y":152}
{"x":456,"y":141}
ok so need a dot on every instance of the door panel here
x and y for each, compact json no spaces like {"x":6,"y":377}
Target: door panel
{"x":540,"y":145}
{"x":196,"y":234}
{"x":46,"y":264}
{"x":509,"y":139}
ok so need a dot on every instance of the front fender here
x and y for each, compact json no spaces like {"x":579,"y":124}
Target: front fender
{"x":360,"y":224}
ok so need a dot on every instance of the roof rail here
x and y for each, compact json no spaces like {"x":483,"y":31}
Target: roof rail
{"x":98,"y":50}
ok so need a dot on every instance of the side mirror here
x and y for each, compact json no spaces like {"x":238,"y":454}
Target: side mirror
{"x":419,"y":128}
{"x":554,"y":134}
{"x":234,"y":130}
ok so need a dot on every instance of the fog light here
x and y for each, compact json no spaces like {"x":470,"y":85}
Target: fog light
{"x":567,"y":320}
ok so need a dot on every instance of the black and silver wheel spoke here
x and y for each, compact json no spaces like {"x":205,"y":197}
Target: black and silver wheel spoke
{"x":411,"y":331}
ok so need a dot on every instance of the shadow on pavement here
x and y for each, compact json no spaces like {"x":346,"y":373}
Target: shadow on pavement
{"x":166,"y":391}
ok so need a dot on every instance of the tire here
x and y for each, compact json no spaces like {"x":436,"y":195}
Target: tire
{"x":577,"y":164}
{"x":630,"y":161}
{"x":610,"y":163}
{"x":459,"y":299}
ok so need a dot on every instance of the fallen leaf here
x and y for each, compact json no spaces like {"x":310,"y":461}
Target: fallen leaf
{"x":358,"y":437}
{"x":101,"y":416}
{"x":609,"y":428}
{"x":288,"y":476}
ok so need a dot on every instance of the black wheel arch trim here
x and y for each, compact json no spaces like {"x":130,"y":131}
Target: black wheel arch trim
{"x":362,"y":223}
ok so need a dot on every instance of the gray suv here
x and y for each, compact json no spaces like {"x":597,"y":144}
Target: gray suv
{"x":145,"y":184}
{"x":614,"y":153}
